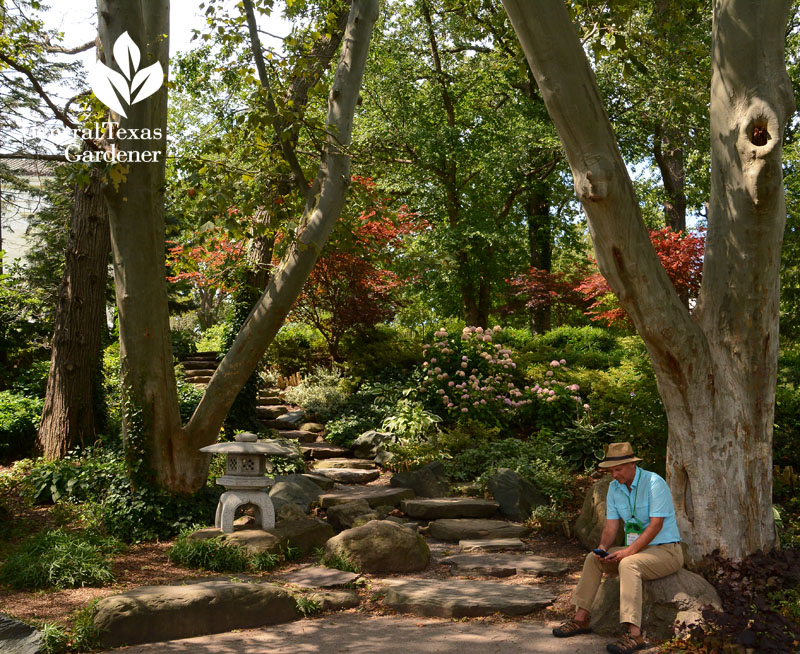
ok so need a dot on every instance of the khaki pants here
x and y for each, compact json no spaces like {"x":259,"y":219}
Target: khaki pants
{"x":653,"y":562}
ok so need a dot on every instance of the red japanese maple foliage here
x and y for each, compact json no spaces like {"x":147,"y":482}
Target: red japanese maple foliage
{"x":206,"y":266}
{"x":681,"y":254}
{"x":350,"y":286}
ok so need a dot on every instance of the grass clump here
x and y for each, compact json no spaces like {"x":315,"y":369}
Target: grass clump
{"x":61,"y":559}
{"x":219,"y":555}
{"x":336,"y":561}
{"x":213,"y":554}
{"x":308,"y":606}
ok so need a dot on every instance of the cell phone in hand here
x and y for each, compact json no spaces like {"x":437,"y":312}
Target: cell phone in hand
{"x":601,"y":553}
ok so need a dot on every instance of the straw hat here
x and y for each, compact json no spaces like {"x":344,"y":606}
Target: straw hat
{"x":618,"y":454}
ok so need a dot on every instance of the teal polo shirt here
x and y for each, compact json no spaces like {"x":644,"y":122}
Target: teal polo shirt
{"x":651,"y":497}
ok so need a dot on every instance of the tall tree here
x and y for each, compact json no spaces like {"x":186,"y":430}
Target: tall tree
{"x":715,"y":366}
{"x":152,"y":427}
{"x":69,"y":415}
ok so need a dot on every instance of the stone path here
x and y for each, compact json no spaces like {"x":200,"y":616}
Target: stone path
{"x":463,"y":599}
{"x":449,"y":507}
{"x":491,"y":545}
{"x":318,"y":577}
{"x":466,"y":528}
{"x":354,"y":633}
{"x":504,"y":565}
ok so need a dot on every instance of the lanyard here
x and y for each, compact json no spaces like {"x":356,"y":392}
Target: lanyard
{"x":635,"y":496}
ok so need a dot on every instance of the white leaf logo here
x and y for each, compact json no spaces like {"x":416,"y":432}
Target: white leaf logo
{"x":110,"y":86}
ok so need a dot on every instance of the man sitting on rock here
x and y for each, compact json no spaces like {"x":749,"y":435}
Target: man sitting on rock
{"x":641,"y":501}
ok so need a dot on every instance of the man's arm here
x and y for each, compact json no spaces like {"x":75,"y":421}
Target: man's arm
{"x":640,"y":543}
{"x":610,"y":530}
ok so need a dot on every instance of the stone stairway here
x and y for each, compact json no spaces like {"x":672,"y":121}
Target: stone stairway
{"x":200,"y":367}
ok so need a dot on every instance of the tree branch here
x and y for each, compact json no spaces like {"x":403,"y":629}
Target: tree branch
{"x":60,"y":49}
{"x":323,"y":206}
{"x":278,"y":124}
{"x":624,"y":253}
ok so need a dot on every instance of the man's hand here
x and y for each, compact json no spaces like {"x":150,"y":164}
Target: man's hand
{"x":616,"y":557}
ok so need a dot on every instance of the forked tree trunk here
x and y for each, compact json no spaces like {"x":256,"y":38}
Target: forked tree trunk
{"x":325,"y":202}
{"x":69,"y":415}
{"x":715,"y":368}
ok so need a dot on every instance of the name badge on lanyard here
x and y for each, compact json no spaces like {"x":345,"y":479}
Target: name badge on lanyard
{"x":633,"y":527}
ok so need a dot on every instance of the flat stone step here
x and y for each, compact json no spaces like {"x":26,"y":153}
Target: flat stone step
{"x":204,"y":354}
{"x":323,"y":450}
{"x":198,"y":364}
{"x":293,"y":418}
{"x":464,"y":599}
{"x":319,"y":577}
{"x":360,"y":464}
{"x":293,"y":434}
{"x":374,"y":495}
{"x":504,"y":565}
{"x":349,"y":475}
{"x":270,"y":401}
{"x":192,"y":375}
{"x":281,"y":425}
{"x":271,"y":412}
{"x":449,"y":507}
{"x":467,"y":528}
{"x":198,"y":380}
{"x":491,"y":545}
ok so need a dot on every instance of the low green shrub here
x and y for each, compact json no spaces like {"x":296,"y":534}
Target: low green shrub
{"x":79,"y":476}
{"x":19,"y":421}
{"x":379,"y":353}
{"x":60,"y":559}
{"x":533,"y":460}
{"x":585,"y":347}
{"x":365,"y":409}
{"x":183,"y":343}
{"x":296,"y":348}
{"x":212,"y":339}
{"x":85,"y":635}
{"x":322,"y":393}
{"x":581,"y":446}
{"x":189,"y":397}
{"x":32,"y":380}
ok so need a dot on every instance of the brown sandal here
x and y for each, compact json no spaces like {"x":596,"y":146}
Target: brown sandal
{"x":626,"y":644}
{"x":571,"y":628}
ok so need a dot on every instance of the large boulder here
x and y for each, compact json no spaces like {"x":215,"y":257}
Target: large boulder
{"x":305,"y":535}
{"x":381,"y":546}
{"x":342,"y":516}
{"x":157,"y":613}
{"x":592,"y":518}
{"x":516,"y":495}
{"x":427,"y":481}
{"x":300,"y":492}
{"x":676,"y":597}
{"x":370,"y":443}
{"x":19,"y":638}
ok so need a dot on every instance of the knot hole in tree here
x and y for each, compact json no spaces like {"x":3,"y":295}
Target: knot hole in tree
{"x":758,"y":132}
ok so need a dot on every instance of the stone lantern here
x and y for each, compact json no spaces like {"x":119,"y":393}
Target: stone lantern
{"x":244,"y":480}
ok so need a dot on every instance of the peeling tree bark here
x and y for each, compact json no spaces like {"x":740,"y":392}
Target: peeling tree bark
{"x":325,"y":202}
{"x":716,"y":368}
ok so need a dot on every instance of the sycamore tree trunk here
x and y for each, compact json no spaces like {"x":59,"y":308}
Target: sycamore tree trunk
{"x":69,"y":417}
{"x":716,"y":367}
{"x":325,"y":201}
{"x":155,"y":444}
